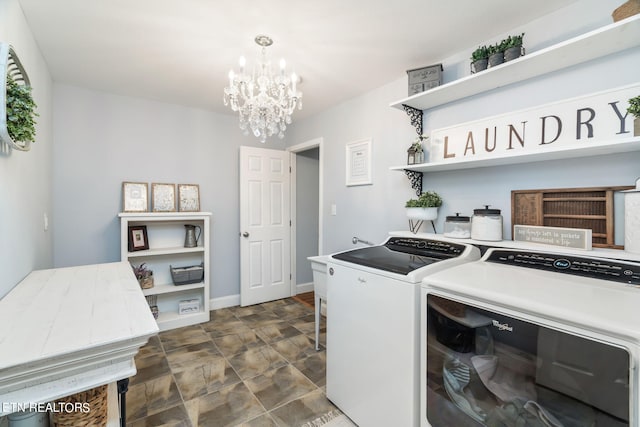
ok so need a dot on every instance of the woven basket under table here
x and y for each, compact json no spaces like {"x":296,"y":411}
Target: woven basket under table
{"x":97,"y":399}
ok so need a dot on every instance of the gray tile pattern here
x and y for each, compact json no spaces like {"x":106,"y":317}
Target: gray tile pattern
{"x":248,"y":366}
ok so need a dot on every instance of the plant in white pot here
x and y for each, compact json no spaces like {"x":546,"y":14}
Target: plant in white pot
{"x":634,"y":110}
{"x":425,"y":207}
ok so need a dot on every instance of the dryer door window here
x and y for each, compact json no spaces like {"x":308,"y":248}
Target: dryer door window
{"x":487,"y":369}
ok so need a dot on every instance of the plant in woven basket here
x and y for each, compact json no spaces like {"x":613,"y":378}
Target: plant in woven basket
{"x":144,"y":275}
{"x":20,"y":112}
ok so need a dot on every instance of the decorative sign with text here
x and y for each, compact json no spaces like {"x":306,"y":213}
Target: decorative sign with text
{"x":587,"y":121}
{"x":577,"y":238}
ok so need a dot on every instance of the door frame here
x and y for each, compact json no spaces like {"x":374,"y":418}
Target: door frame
{"x":293,"y":150}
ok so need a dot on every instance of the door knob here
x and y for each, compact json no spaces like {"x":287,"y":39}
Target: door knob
{"x":245,"y":234}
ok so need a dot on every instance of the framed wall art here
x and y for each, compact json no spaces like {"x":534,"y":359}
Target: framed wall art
{"x":135,"y":197}
{"x":358,"y":166}
{"x":138,"y":240}
{"x":188,"y":198}
{"x":163,"y":197}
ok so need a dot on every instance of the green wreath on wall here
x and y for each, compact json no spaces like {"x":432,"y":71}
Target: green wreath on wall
{"x":17,"y":109}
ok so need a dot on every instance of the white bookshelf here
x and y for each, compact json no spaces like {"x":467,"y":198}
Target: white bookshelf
{"x":165,"y":233}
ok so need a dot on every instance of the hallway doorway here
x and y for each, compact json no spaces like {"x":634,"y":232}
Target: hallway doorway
{"x":306,"y":211}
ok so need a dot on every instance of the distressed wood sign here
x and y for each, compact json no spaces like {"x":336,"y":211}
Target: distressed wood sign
{"x":576,"y":238}
{"x":587,"y":121}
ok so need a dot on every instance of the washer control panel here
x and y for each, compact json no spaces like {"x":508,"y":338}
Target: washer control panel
{"x":424,"y":246}
{"x":597,"y":268}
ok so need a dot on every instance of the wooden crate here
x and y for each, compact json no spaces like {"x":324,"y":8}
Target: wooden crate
{"x":590,"y":208}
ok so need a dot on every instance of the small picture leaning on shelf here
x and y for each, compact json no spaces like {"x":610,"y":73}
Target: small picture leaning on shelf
{"x":188,"y":197}
{"x":135,"y":196}
{"x":163,"y":197}
{"x":138,"y":240}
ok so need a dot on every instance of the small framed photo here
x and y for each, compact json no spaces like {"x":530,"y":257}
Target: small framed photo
{"x":163,"y":197}
{"x":358,"y":166}
{"x":188,"y":198}
{"x":135,"y":197}
{"x":138,"y":240}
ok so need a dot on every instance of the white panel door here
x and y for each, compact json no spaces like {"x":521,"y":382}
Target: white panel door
{"x":265,"y":246}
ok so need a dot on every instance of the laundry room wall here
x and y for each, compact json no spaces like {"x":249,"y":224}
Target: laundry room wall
{"x":25,"y":177}
{"x":372,"y":211}
{"x":104,"y":139}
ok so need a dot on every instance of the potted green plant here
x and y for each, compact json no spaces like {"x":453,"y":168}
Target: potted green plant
{"x":20,"y":109}
{"x":425,"y":207}
{"x":496,"y":54}
{"x":479,"y":59}
{"x":634,"y":110}
{"x":512,"y":47}
{"x":144,"y":276}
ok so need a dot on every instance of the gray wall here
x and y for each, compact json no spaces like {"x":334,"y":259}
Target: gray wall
{"x":103,"y":140}
{"x":307,"y":200}
{"x":25,"y":177}
{"x":372,"y":211}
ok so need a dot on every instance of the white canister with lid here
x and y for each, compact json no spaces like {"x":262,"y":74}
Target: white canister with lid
{"x":486,"y":224}
{"x":458,"y":227}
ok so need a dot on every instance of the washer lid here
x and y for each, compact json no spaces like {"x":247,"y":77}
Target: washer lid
{"x":403,"y":255}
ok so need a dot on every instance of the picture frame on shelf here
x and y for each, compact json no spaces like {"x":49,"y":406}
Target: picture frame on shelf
{"x":135,"y":197}
{"x":358,"y":167}
{"x":138,"y":240}
{"x":188,"y":197}
{"x":163,"y":197}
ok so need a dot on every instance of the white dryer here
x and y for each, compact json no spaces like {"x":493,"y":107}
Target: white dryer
{"x":531,"y":338}
{"x":373,"y":326}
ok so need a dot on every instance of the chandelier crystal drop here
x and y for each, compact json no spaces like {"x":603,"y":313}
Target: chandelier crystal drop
{"x":264,"y":100}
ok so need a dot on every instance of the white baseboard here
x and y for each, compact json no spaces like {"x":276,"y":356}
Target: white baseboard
{"x":234,"y":300}
{"x":301,"y":288}
{"x":224,"y":302}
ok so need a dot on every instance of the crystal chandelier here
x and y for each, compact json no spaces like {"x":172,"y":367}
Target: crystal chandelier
{"x":265,"y":100}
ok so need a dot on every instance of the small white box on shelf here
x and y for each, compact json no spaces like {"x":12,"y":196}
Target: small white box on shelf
{"x":189,"y":306}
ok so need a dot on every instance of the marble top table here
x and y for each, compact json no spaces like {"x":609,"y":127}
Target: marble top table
{"x":66,"y":330}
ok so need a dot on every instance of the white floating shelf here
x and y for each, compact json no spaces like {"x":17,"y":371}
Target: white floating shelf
{"x":595,"y":44}
{"x":619,"y":146}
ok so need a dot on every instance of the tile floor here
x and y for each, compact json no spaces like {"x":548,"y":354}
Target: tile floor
{"x":251,"y":366}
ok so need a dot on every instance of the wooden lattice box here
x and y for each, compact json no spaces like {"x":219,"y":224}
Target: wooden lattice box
{"x":590,"y":208}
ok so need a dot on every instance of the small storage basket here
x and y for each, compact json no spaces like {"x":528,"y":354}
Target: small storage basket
{"x":187,"y":275}
{"x":97,"y":400}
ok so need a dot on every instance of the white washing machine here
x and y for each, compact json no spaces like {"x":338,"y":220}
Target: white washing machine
{"x":531,"y":338}
{"x":373,"y":326}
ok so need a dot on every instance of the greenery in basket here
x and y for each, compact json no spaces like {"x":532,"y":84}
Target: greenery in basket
{"x":20,"y":112}
{"x":511,"y":41}
{"x":141,"y":272}
{"x":428,"y":199}
{"x":634,"y":106}
{"x":482,"y":52}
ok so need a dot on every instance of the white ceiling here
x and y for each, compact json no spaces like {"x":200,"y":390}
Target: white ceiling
{"x":180,"y":51}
